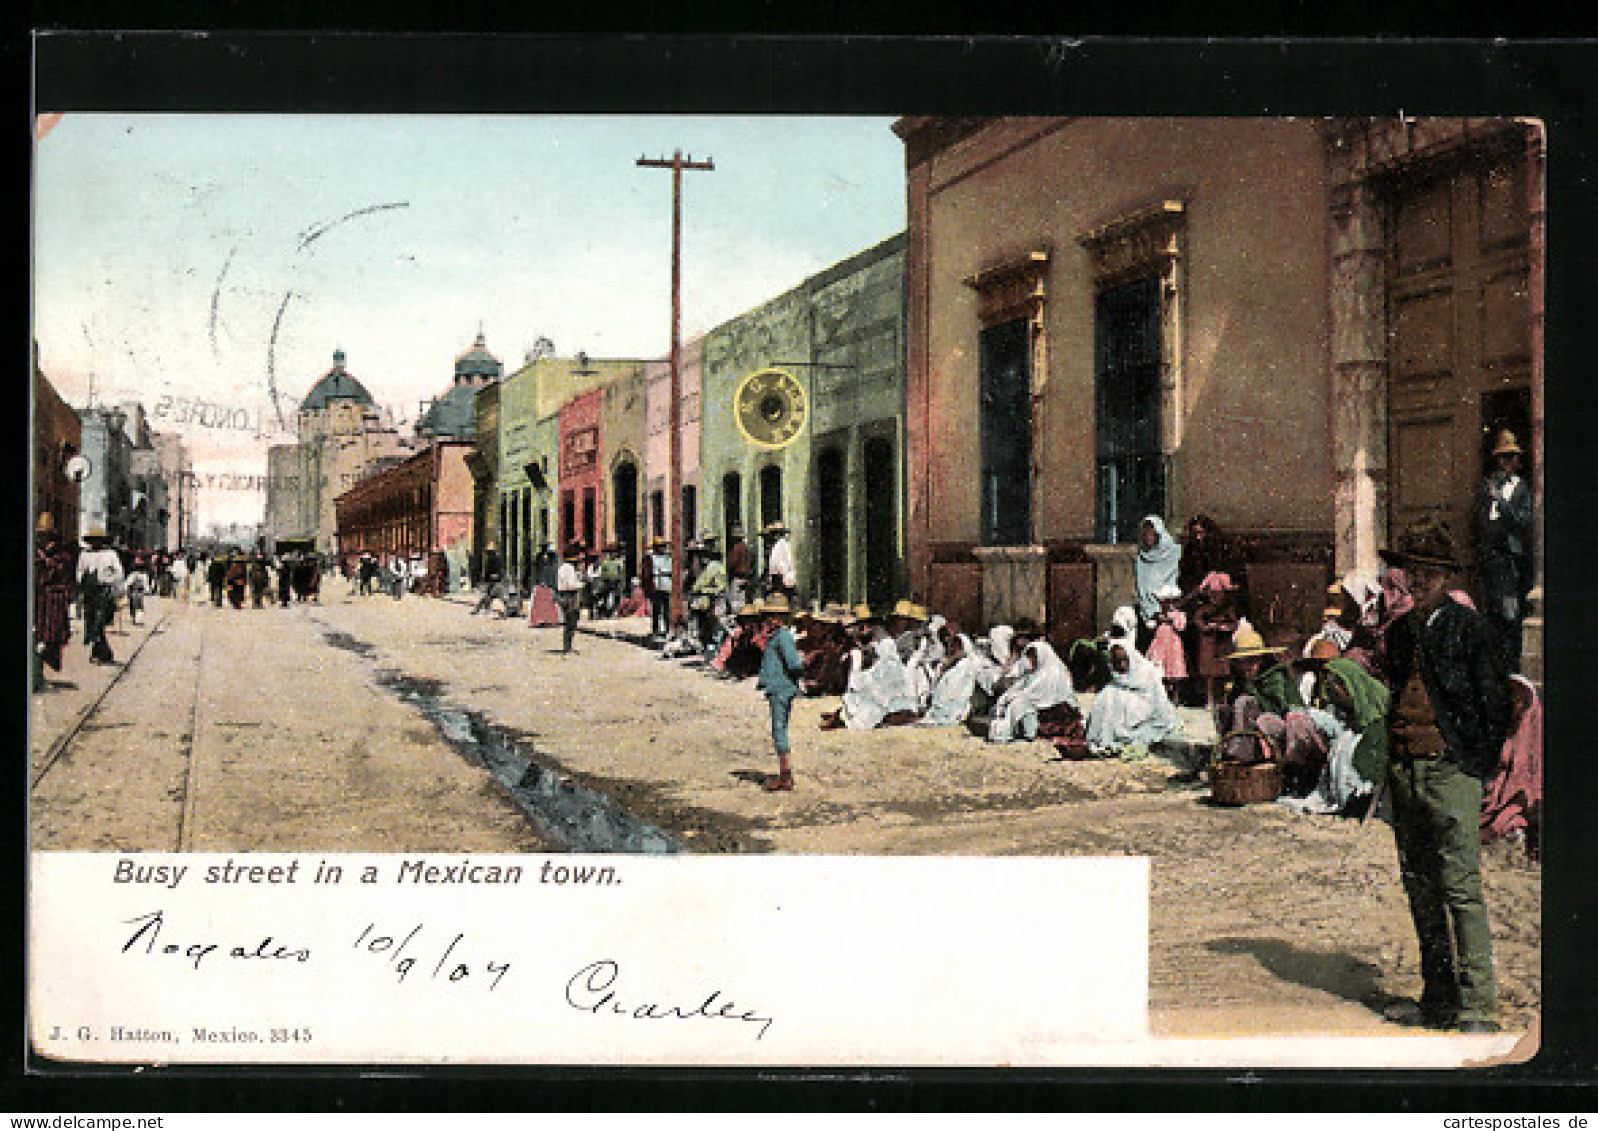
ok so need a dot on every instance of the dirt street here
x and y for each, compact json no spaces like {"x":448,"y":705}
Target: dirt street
{"x":275,"y":730}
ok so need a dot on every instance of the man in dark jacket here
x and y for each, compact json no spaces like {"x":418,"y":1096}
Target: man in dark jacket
{"x":1503,"y":546}
{"x":1449,"y":716}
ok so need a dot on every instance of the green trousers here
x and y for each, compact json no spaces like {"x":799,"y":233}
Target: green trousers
{"x":1437,"y":824}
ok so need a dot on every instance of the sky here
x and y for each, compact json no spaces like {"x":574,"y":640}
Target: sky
{"x":189,"y":259}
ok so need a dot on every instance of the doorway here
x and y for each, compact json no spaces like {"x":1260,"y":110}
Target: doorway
{"x":882,"y":522}
{"x":624,"y":495}
{"x":1459,"y":325}
{"x":832,"y":524}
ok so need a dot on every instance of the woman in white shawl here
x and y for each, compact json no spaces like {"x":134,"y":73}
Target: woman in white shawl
{"x":877,"y":691}
{"x":1043,"y":683}
{"x":926,"y":660}
{"x":1159,"y":558}
{"x":952,"y":691}
{"x":1134,"y":709}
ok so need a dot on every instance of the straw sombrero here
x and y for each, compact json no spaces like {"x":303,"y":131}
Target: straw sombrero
{"x":777,"y":605}
{"x":1506,"y":444}
{"x":862,"y":614}
{"x":908,"y":610}
{"x":1247,"y":641}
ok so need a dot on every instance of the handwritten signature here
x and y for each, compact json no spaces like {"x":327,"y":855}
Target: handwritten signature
{"x":592,"y":990}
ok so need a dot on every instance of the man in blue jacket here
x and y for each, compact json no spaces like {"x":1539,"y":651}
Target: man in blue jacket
{"x":780,"y":668}
{"x":1447,"y":723}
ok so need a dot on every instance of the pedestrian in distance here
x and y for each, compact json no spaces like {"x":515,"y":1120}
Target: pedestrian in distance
{"x":493,"y":586}
{"x":100,"y":576}
{"x":658,"y":573}
{"x":569,"y":594}
{"x":780,"y":669}
{"x":1449,"y":716}
{"x":137,"y":585}
{"x":285,"y":581}
{"x":52,"y":596}
{"x":781,"y":574}
{"x":740,"y":570}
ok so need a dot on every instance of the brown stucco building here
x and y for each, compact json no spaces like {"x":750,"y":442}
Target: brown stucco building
{"x":57,"y":437}
{"x":1108,"y":318}
{"x":421,"y":506}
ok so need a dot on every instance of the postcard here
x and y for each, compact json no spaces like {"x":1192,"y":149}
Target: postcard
{"x":519,"y":583}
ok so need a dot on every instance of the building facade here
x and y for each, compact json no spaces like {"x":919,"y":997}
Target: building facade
{"x":483,"y":462}
{"x":664,"y":518}
{"x":1302,"y":329}
{"x":177,"y":472}
{"x":581,"y":476}
{"x":341,"y":438}
{"x":528,"y":483}
{"x":837,"y":480}
{"x":420,"y":507}
{"x":1437,"y":229}
{"x":1108,"y":319}
{"x":57,"y":440}
{"x":624,"y":435}
{"x":106,"y":490}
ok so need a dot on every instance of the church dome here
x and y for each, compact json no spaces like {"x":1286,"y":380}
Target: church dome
{"x":452,"y":416}
{"x":477,"y":365}
{"x":336,"y":384}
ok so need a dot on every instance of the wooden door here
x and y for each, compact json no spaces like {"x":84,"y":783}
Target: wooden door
{"x":1459,"y":333}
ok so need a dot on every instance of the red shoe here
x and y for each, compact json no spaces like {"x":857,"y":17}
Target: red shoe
{"x":779,"y":783}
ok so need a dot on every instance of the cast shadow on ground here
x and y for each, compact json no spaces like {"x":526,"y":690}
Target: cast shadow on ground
{"x":752,"y":777}
{"x":1340,"y":975}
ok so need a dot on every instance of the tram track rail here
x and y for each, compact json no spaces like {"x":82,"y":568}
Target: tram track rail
{"x":58,"y":749}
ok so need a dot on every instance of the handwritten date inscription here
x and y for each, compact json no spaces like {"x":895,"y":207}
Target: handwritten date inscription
{"x":451,"y":963}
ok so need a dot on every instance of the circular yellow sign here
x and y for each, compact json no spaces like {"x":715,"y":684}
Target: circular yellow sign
{"x":770,"y":408}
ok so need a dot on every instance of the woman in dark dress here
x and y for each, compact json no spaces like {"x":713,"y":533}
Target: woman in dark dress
{"x":1210,"y":581}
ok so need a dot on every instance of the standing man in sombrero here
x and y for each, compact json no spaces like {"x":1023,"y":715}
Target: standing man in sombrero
{"x":780,"y":670}
{"x":569,"y":593}
{"x":100,"y":578}
{"x":1447,"y":723}
{"x":1503,"y":545}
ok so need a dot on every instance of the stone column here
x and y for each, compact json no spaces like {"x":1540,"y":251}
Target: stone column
{"x":1114,"y":579}
{"x":1358,"y":377}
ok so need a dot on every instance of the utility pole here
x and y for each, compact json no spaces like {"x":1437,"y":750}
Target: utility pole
{"x":676,"y":163}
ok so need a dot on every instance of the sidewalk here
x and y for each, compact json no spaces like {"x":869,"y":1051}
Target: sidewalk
{"x":71,"y":693}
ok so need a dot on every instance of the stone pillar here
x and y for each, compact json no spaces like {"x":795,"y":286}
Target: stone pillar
{"x":1015,"y":583}
{"x":1114,"y":579}
{"x":1358,"y":377}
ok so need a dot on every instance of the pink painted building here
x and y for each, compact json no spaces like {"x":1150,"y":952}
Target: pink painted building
{"x":657,"y":441}
{"x":582,"y":473}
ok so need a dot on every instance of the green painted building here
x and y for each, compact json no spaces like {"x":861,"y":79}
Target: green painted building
{"x":837,"y":343}
{"x":528,"y":486}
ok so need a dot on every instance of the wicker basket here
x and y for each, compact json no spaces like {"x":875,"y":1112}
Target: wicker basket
{"x":1245,"y":783}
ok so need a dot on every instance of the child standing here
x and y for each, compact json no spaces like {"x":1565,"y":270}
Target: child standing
{"x":780,"y":668}
{"x":1166,"y":648}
